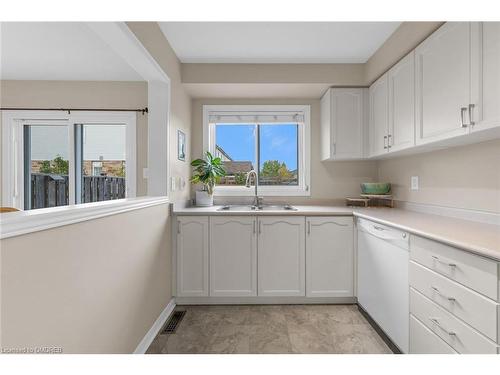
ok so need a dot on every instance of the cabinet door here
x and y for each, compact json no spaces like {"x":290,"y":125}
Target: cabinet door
{"x":402,"y":104}
{"x":192,"y":256}
{"x":327,"y":148}
{"x":378,"y":93}
{"x":485,"y":75}
{"x":443,"y":83}
{"x":329,"y":257}
{"x":281,"y":256}
{"x":348,"y":117}
{"x":233,"y":256}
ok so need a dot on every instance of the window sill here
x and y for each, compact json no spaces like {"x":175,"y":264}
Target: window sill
{"x":241,"y":191}
{"x":18,"y":223}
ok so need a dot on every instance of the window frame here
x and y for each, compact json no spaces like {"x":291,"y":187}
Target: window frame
{"x":303,"y":149}
{"x":13,"y":123}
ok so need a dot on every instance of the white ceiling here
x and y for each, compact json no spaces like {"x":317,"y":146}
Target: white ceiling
{"x":59,"y":51}
{"x":276,"y":42}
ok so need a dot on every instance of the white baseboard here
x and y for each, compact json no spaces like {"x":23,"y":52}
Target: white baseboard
{"x":155,"y":328}
{"x":263,"y":300}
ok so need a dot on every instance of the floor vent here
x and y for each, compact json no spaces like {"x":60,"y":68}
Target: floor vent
{"x":173,"y":322}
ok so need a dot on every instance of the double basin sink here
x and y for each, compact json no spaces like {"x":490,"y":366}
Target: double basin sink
{"x":266,"y":207}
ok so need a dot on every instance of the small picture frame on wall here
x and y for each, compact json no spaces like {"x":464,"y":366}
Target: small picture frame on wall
{"x":181,"y":145}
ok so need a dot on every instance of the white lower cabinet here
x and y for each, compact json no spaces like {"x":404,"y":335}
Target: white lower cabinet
{"x":424,"y":341}
{"x":233,"y":256}
{"x":281,"y":256}
{"x":192,"y":256}
{"x":329,"y":257}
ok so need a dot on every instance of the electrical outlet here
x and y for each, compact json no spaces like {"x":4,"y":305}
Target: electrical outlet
{"x":414,"y":183}
{"x":144,"y":173}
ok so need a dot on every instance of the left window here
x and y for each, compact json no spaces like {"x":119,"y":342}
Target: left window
{"x":52,"y":159}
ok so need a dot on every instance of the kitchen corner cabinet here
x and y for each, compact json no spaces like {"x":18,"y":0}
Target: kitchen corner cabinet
{"x":401,"y":84}
{"x":233,"y":256}
{"x":485,"y":52}
{"x":392,"y":109}
{"x":379,"y":116}
{"x":343,"y":119}
{"x":281,"y":256}
{"x":192,"y":256}
{"x":329,"y":257}
{"x":443,"y":83}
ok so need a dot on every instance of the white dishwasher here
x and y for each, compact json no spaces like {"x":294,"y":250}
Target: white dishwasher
{"x":383,"y":290}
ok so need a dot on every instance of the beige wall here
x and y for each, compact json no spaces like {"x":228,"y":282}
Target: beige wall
{"x":461,"y":177}
{"x":406,"y":37}
{"x":85,"y":94}
{"x":92,"y":287}
{"x":151,"y":36}
{"x":329,"y":180}
{"x":333,"y":74}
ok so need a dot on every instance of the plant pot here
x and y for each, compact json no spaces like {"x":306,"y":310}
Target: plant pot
{"x":204,"y":199}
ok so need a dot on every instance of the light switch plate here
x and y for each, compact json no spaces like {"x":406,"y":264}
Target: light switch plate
{"x":173,"y":185}
{"x":414,"y":183}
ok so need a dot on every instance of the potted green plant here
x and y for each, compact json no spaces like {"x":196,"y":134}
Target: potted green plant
{"x":207,"y":172}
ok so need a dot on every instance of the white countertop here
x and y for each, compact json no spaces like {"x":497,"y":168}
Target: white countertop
{"x":301,"y":211}
{"x":479,"y":238}
{"x":473,"y":236}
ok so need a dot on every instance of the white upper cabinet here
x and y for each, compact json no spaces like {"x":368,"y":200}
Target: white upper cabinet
{"x":281,"y":256}
{"x":343,"y":119}
{"x":192,"y":256}
{"x":401,"y":131}
{"x":379,"y":116}
{"x":233,"y":256}
{"x":443,"y":89}
{"x":485,"y":47}
{"x":329,"y":257}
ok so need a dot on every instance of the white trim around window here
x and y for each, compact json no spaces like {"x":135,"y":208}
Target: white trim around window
{"x":301,"y":112}
{"x":13,"y":155}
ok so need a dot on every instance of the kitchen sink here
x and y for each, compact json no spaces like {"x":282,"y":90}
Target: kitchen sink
{"x":265,"y":207}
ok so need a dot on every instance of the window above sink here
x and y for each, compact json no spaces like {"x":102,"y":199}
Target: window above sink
{"x":273,"y":140}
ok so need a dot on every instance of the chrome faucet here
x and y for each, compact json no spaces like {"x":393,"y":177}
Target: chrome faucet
{"x":257,"y":200}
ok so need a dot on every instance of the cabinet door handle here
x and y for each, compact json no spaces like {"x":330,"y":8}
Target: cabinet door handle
{"x":452,"y":265}
{"x":436,"y":322}
{"x":254,"y":224}
{"x":462,"y":115}
{"x":471,"y":121}
{"x":385,"y":142}
{"x":178,"y":227}
{"x":334,"y":150}
{"x":451,"y":299}
{"x":389,"y":141}
{"x":260,"y":227}
{"x":308,"y":227}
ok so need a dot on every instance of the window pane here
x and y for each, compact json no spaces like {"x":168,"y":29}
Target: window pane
{"x":100,"y":158}
{"x":45,"y":166}
{"x":235,"y":145}
{"x":278,"y":154}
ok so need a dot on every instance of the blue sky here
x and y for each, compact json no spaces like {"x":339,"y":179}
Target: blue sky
{"x":277,"y":142}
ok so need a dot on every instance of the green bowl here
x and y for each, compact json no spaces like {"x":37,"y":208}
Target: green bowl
{"x":377,"y":188}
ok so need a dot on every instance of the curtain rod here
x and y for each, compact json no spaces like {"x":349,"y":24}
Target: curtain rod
{"x":142,"y":110}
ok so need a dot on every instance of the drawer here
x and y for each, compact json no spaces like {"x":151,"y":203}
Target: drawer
{"x":424,"y":341}
{"x":473,"y":271}
{"x":457,"y":334}
{"x":473,"y":308}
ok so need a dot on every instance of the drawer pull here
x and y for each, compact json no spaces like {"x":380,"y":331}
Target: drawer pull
{"x":378,"y":228}
{"x":452,"y":265}
{"x":436,"y":322}
{"x":451,"y":299}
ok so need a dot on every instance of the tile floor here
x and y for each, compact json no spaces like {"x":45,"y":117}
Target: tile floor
{"x":264,"y":329}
